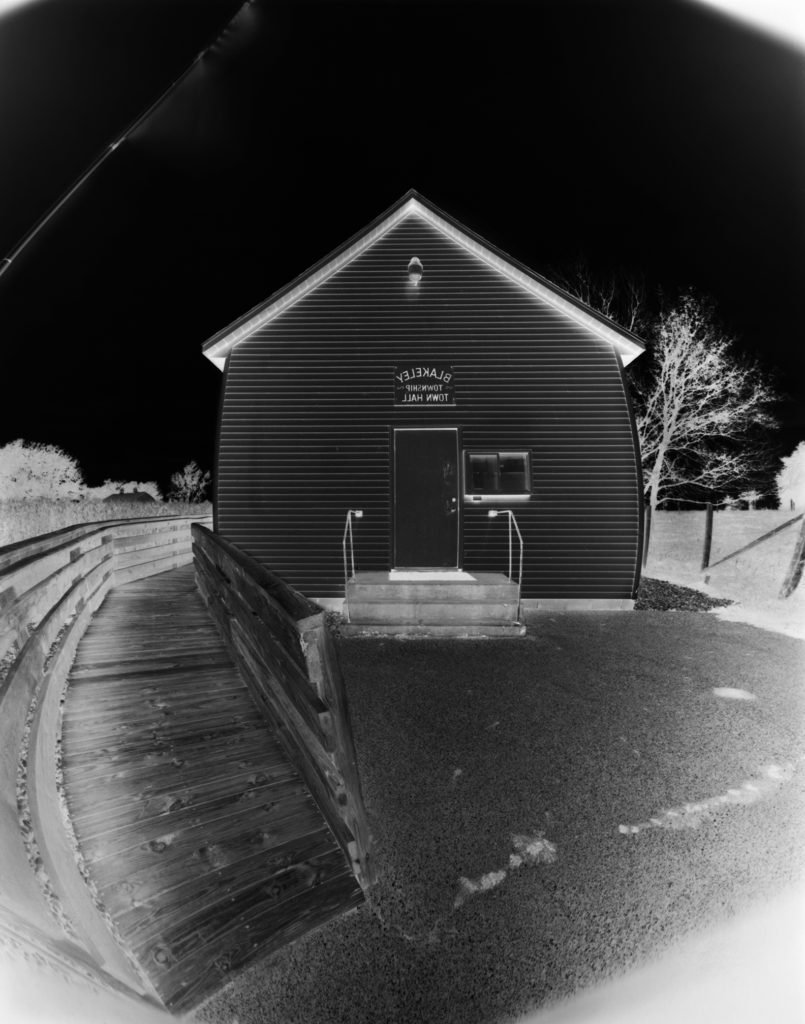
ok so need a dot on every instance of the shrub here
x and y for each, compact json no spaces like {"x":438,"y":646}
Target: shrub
{"x":791,"y":479}
{"x":189,"y":484}
{"x":32,"y":470}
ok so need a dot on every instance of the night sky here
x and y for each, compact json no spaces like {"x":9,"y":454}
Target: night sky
{"x":660,"y":137}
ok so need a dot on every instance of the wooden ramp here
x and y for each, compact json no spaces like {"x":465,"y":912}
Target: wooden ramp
{"x":203,"y":842}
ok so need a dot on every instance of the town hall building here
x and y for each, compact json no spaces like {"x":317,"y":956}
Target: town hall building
{"x":419,"y":417}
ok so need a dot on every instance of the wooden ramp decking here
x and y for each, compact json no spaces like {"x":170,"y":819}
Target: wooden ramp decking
{"x":203,"y":842}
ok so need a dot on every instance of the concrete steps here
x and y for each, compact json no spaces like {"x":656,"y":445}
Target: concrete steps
{"x":456,"y":631}
{"x":437,"y":613}
{"x":477,"y":605}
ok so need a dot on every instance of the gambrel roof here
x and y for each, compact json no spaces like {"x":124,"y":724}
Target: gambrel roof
{"x":414,"y":205}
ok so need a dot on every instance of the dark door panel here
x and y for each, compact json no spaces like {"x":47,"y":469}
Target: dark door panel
{"x":426,"y":499}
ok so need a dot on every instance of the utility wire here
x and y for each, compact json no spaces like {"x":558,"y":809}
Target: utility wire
{"x":49,"y":214}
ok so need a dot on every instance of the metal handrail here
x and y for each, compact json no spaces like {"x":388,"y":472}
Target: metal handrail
{"x":358,"y":514}
{"x":493,"y":513}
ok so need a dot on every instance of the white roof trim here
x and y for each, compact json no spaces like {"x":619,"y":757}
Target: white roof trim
{"x":218,"y":352}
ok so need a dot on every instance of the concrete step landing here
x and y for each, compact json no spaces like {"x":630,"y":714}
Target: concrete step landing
{"x":432,"y":604}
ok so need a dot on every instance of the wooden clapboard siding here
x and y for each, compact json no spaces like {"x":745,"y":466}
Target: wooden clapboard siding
{"x":307,"y":422}
{"x":202,"y":841}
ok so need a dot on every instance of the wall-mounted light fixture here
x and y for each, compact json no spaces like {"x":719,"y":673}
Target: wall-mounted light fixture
{"x":415,"y":270}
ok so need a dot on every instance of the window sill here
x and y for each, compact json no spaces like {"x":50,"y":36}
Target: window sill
{"x":487,"y":499}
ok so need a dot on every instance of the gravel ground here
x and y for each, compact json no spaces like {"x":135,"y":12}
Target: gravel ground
{"x":662,"y":596}
{"x":548,"y":813}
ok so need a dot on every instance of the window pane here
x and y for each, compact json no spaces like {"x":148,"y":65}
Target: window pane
{"x":513,"y":472}
{"x":483,"y":473}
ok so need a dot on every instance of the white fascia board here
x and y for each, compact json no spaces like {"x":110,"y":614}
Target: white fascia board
{"x":217,"y":353}
{"x":628,"y":349}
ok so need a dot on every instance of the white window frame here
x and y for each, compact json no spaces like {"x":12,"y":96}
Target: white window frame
{"x":496,"y":497}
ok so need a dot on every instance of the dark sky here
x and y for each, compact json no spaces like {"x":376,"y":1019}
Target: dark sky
{"x":657,"y":136}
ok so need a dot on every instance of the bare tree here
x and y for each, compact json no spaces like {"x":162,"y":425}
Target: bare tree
{"x":750,"y":498}
{"x":619,"y":295}
{"x":190,"y":483}
{"x":29,"y":469}
{"x":700,"y":408}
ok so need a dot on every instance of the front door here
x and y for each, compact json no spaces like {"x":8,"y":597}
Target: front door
{"x":426,"y":498}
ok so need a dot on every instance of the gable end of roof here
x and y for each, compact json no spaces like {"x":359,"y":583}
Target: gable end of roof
{"x":219,"y":345}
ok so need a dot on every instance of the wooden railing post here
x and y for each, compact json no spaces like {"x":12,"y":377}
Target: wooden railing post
{"x":708,"y":534}
{"x":324,"y":672}
{"x":646,"y":533}
{"x":794,"y":574}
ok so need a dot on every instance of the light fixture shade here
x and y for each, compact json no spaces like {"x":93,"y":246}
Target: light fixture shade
{"x":415,"y":270}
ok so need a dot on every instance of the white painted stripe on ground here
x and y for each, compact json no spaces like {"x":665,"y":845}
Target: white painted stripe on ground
{"x":528,"y":850}
{"x":691,"y":815}
{"x":730,"y":693}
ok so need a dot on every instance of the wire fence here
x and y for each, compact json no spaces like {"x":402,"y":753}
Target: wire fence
{"x":733,"y":504}
{"x":791,"y":574}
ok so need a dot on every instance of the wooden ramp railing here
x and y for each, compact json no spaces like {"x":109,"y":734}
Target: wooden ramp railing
{"x":50,"y":587}
{"x":281,"y":644}
{"x":88,"y":880}
{"x":201,"y":839}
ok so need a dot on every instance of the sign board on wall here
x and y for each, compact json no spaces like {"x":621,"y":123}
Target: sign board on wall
{"x":424,"y":384}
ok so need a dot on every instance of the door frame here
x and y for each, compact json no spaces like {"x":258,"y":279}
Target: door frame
{"x":459,"y":477}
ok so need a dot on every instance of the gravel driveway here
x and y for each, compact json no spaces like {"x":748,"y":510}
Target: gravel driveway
{"x":550,"y":812}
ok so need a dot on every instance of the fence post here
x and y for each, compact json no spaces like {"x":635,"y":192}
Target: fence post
{"x":794,"y":574}
{"x":646,"y":533}
{"x":708,"y":534}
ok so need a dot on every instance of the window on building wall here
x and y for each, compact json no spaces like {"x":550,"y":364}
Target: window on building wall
{"x":496,"y":473}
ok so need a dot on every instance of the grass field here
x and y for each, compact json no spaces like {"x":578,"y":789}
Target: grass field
{"x":750,"y":578}
{"x":21,"y":519}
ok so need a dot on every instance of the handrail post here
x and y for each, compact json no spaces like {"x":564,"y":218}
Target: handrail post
{"x":493,"y":513}
{"x":510,"y":544}
{"x":358,"y":514}
{"x":347,"y":527}
{"x":520,"y":538}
